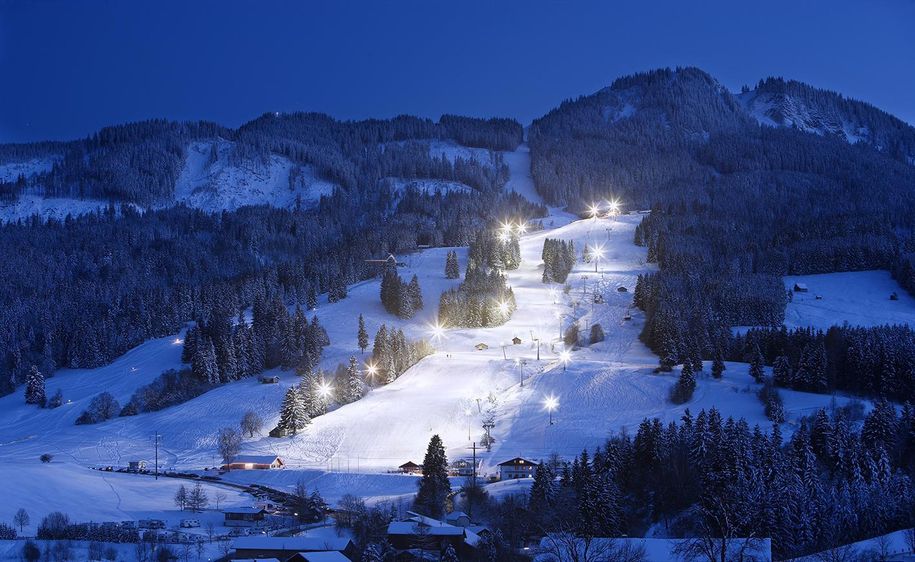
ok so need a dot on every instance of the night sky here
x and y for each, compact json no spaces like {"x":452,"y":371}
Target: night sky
{"x":70,"y":67}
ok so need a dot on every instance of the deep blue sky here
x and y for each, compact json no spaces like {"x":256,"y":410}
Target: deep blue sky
{"x":70,"y":67}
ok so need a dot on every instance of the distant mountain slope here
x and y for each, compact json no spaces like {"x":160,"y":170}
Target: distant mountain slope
{"x":279,"y":160}
{"x":788,"y":103}
{"x":736,"y":204}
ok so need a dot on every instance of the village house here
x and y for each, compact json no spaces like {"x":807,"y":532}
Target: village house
{"x":411,"y":467}
{"x":462,"y":467}
{"x":800,"y":288}
{"x":421,"y":533}
{"x":284,"y":548}
{"x":255,"y":462}
{"x":244,"y":516}
{"x":458,"y":519}
{"x":517,"y":468}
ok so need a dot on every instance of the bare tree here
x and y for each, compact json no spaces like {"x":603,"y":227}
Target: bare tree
{"x":844,"y":553}
{"x":21,"y":519}
{"x":197,"y":498}
{"x":228,"y":443}
{"x":719,"y":537}
{"x":219,"y":496}
{"x":211,"y":530}
{"x":251,"y":423}
{"x":565,"y":546}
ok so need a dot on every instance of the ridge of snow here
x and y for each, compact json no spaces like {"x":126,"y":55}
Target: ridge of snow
{"x":221,"y":185}
{"x":10,"y":171}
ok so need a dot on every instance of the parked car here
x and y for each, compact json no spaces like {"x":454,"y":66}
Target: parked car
{"x":189,"y":523}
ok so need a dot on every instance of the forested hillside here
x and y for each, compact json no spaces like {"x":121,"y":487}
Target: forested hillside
{"x":79,"y":292}
{"x":140,"y":163}
{"x":735,"y":204}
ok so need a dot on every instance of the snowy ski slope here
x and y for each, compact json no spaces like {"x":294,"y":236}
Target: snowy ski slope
{"x":604,"y":388}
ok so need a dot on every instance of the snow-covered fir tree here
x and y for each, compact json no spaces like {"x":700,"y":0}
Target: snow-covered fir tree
{"x":434,"y":486}
{"x":34,"y":387}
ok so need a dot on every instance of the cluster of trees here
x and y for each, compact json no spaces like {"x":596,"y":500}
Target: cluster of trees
{"x":483,"y":299}
{"x":102,"y":407}
{"x":57,"y":526}
{"x":501,"y":252}
{"x":307,"y":400}
{"x":195,"y":499}
{"x":876,"y":361}
{"x":400,"y":298}
{"x":735,"y":205}
{"x":710,"y":477}
{"x":220,"y":351}
{"x":558,"y":260}
{"x":392,"y":354}
{"x":168,"y":389}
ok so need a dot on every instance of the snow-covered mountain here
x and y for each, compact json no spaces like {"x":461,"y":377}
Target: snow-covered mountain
{"x":787,"y":103}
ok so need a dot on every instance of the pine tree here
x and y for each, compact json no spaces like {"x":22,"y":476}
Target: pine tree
{"x":34,"y":387}
{"x":543,"y":490}
{"x":354,"y":385}
{"x":452,"y":268}
{"x":293,"y":416}
{"x":415,"y":294}
{"x":685,"y":386}
{"x":434,"y":486}
{"x":756,"y":366}
{"x":380,"y":347}
{"x":363,"y":335}
{"x":718,"y":366}
{"x":781,"y":371}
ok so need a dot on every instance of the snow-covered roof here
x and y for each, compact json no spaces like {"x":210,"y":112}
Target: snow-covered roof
{"x":455,"y":515}
{"x":412,"y":528}
{"x":517,"y":461}
{"x":256,"y":459}
{"x":296,"y":544}
{"x":328,"y":556}
{"x":255,"y":560}
{"x":243,"y":510}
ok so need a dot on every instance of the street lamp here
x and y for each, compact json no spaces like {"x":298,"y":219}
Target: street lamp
{"x":324,"y":390}
{"x":503,"y":307}
{"x":594,"y":210}
{"x":550,"y":403}
{"x":522,"y":228}
{"x":598,"y":252}
{"x":614,"y":206}
{"x":371,"y":370}
{"x":565,"y":357}
{"x":468,"y":412}
{"x":438,"y":331}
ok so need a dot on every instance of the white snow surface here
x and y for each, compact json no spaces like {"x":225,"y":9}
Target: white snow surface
{"x":10,"y":171}
{"x":859,"y":298}
{"x":30,"y":204}
{"x":220,"y":185}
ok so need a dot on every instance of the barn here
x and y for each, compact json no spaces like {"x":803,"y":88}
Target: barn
{"x":255,"y":462}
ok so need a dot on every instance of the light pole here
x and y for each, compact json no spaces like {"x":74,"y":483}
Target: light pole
{"x":551,"y":403}
{"x":598,"y":254}
{"x":565,"y":357}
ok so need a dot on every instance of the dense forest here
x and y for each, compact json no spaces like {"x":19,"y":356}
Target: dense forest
{"x":80,"y":292}
{"x":710,"y":477}
{"x":140,"y":162}
{"x":735,"y":205}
